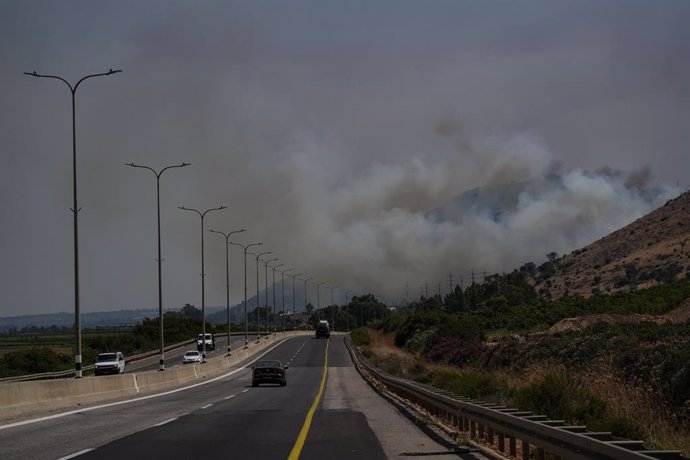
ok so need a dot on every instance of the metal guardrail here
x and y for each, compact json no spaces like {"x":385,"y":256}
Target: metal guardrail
{"x":72,"y":372}
{"x":502,"y":428}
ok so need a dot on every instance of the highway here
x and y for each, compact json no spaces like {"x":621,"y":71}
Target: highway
{"x":227,"y":417}
{"x":174,"y":357}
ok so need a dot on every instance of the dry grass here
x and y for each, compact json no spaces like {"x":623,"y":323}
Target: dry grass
{"x":622,"y":399}
{"x":627,"y":400}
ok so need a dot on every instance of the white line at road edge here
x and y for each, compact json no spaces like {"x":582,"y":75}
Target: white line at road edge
{"x":76,"y":454}
{"x":207,"y":406}
{"x":87,"y":409}
{"x":166,"y":421}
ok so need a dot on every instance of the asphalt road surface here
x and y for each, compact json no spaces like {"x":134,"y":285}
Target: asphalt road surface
{"x":225,"y":417}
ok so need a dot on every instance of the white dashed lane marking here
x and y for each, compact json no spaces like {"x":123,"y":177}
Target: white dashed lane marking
{"x":207,"y":406}
{"x":296,"y":353}
{"x":76,"y":454}
{"x":231,"y":396}
{"x":165,"y":421}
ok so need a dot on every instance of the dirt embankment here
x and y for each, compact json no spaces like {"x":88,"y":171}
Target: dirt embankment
{"x":679,"y":315}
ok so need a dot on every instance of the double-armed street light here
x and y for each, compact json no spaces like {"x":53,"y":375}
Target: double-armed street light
{"x":258,"y":316}
{"x":266,"y":262}
{"x":333,"y":307}
{"x":202,"y":215}
{"x":347,"y":311}
{"x":227,"y":275}
{"x":75,"y":208}
{"x":294,"y":308}
{"x":158,"y":174}
{"x":306,"y":280}
{"x":273,"y":290}
{"x":282,"y":290}
{"x":318,"y":297}
{"x":244,"y":249}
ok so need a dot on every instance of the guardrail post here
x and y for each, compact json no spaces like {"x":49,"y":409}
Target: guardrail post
{"x":540,"y":453}
{"x":512,"y":447}
{"x":501,"y":442}
{"x":473,"y":430}
{"x":490,"y":432}
{"x":525,"y":450}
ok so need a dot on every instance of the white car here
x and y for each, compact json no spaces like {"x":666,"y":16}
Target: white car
{"x":191,"y":357}
{"x":110,"y":363}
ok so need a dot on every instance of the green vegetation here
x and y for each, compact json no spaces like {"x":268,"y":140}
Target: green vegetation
{"x":40,"y":351}
{"x":360,"y":337}
{"x":559,"y":375}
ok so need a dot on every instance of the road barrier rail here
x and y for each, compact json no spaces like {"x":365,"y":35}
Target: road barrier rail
{"x":128,"y":359}
{"x":507,"y":430}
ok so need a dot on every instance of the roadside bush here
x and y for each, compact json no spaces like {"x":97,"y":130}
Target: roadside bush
{"x":417,"y":344}
{"x":360,"y":337}
{"x":469,"y":383}
{"x":560,"y":396}
{"x":453,"y":350}
{"x":33,"y":361}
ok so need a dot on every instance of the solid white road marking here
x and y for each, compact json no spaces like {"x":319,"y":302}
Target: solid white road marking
{"x":76,"y":454}
{"x":244,"y":391}
{"x":166,"y":421}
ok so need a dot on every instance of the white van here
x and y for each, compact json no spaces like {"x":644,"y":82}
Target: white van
{"x":110,"y":363}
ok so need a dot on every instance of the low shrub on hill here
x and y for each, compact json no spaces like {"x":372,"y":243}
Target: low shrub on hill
{"x":32,"y":361}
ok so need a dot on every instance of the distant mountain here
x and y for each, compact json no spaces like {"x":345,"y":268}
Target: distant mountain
{"x":92,"y":319}
{"x":654,"y":249}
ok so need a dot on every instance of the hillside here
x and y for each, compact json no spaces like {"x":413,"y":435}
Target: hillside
{"x":654,"y":249}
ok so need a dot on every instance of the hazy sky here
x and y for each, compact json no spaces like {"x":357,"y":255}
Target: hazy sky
{"x":328,"y":129}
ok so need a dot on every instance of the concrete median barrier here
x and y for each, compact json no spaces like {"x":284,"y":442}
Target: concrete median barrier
{"x":25,"y":398}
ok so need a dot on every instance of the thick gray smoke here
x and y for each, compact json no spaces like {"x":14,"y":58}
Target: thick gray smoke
{"x":377,"y":231}
{"x":366,"y":144}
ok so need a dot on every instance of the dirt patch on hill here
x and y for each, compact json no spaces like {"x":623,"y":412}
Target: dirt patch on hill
{"x":679,"y":315}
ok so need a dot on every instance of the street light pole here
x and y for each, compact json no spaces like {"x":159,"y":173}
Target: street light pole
{"x":305,"y":300}
{"x":294,"y":307}
{"x":258,"y":317}
{"x":75,"y":209}
{"x":318,"y":297}
{"x":273,"y":290}
{"x":244,"y":248}
{"x":203,"y":275}
{"x":227,"y":275}
{"x":282,"y":290}
{"x":266,"y":289}
{"x":161,"y":361}
{"x":333,"y":306}
{"x":347,"y":311}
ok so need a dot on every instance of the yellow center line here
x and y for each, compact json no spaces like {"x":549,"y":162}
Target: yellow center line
{"x":299,"y":444}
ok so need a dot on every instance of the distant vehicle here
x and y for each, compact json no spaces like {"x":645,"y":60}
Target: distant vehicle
{"x":323,"y":330}
{"x":210,"y":342}
{"x":191,"y":357}
{"x":110,"y":363}
{"x":269,"y":371}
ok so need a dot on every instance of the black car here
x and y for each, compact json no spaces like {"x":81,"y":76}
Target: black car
{"x":269,"y":371}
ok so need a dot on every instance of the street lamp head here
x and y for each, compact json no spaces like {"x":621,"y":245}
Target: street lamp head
{"x":111,"y":71}
{"x":33,"y":74}
{"x":185,"y":164}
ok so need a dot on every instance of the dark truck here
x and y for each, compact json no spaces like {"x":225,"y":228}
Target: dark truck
{"x":323,"y":330}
